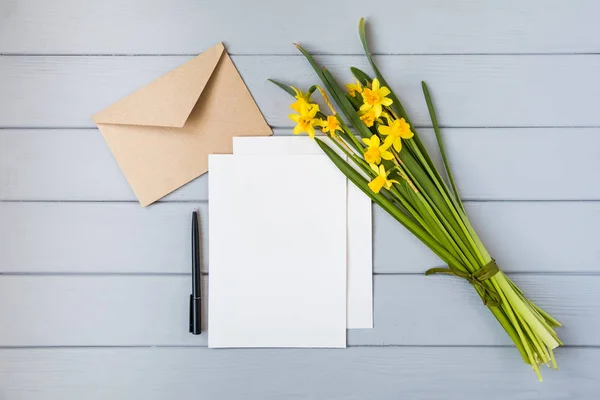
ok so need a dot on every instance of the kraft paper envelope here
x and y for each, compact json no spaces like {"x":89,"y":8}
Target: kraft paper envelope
{"x":162,"y":134}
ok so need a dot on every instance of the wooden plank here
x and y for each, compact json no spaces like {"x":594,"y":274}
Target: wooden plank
{"x":348,"y":374}
{"x":269,"y":27}
{"x":523,"y":237}
{"x":440,"y":310}
{"x":126,"y":238}
{"x":480,"y":90}
{"x":153,"y":310}
{"x":102,"y":237}
{"x":69,"y":165}
{"x":76,"y":164}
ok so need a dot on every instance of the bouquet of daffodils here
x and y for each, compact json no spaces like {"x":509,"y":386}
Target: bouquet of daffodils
{"x":389,"y":163}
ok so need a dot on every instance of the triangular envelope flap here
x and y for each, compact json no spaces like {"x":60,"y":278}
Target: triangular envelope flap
{"x":168,"y":100}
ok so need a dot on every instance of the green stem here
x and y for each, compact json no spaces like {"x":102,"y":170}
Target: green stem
{"x":436,"y":129}
{"x":439,"y":218}
{"x":533,"y":322}
{"x":449,"y":204}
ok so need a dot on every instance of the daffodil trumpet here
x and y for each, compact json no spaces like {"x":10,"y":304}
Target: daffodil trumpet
{"x":391,"y":165}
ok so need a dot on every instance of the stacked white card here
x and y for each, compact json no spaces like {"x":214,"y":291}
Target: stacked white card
{"x":290,"y":253}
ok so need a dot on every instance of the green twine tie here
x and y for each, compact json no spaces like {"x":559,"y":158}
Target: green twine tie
{"x":489,"y":295}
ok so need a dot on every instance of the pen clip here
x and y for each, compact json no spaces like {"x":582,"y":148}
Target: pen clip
{"x":191,"y":313}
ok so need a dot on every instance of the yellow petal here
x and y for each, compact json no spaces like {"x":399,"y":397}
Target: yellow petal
{"x":376,"y":184}
{"x":366,"y":141}
{"x":372,"y":157}
{"x":374,"y":168}
{"x":375,"y":141}
{"x":375,"y":86}
{"x":386,"y":155}
{"x":384,"y":130}
{"x":387,"y":102}
{"x":373,"y":187}
{"x":377,"y":109}
{"x":365,"y":107}
{"x":298,"y":93}
{"x":358,"y":86}
{"x":368,"y":122}
{"x":398,"y":144}
{"x":353,"y":88}
{"x":384,"y":91}
{"x":297,"y":129}
{"x":389,"y":141}
{"x":313,"y":110}
{"x":294,"y":117}
{"x":311,"y":132}
{"x":406,"y":134}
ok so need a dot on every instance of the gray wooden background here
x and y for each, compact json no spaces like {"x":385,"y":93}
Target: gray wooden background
{"x":93,"y":288}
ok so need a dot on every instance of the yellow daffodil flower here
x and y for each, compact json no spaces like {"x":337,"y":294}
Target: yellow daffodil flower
{"x":399,"y":129}
{"x":353,"y":88}
{"x":381,"y":180}
{"x":368,"y":117}
{"x":305,"y":119}
{"x":375,"y":152}
{"x":331,"y":125}
{"x":301,"y":98}
{"x":375,"y":98}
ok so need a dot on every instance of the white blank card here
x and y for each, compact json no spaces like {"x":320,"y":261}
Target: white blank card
{"x":277,"y":249}
{"x":360,"y":235}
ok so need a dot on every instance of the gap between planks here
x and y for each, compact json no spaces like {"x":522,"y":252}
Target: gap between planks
{"x":290,"y":127}
{"x":315,"y":53}
{"x":466,"y":200}
{"x":418,"y":346}
{"x":204,"y":273}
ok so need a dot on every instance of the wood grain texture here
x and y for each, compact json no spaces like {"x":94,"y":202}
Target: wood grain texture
{"x":153,"y":311}
{"x":126,"y":238}
{"x":350,"y":374}
{"x":489,"y":164}
{"x":270,"y":26}
{"x":98,"y":237}
{"x":98,"y":270}
{"x":480,"y":90}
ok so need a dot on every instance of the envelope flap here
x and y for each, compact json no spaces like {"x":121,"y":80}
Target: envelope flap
{"x":168,"y":100}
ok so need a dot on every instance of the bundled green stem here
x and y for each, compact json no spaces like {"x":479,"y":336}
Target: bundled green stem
{"x":422,"y":202}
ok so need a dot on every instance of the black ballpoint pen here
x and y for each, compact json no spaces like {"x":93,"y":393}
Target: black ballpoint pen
{"x":195,"y":297}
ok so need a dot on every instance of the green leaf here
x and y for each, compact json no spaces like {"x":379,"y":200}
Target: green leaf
{"x":346,"y":106}
{"x":442,"y":213}
{"x":396,"y":105}
{"x":356,"y":178}
{"x":338,"y":95}
{"x":363,"y":78}
{"x":356,"y":103}
{"x":422,"y":156}
{"x":349,"y":136}
{"x":438,"y":136}
{"x":286,"y":88}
